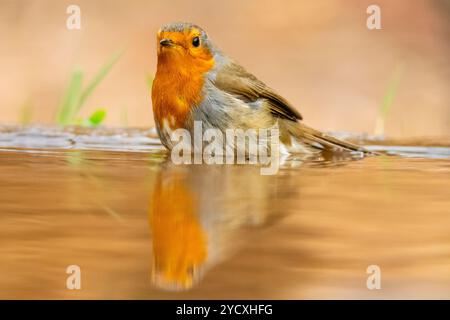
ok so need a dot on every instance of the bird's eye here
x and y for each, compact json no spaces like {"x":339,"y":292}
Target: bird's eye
{"x":196,"y":41}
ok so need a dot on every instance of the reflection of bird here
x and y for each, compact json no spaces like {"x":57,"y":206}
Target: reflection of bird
{"x":196,"y":214}
{"x":195,"y":81}
{"x":179,"y":242}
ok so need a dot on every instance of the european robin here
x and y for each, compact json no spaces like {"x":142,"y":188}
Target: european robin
{"x":196,"y":81}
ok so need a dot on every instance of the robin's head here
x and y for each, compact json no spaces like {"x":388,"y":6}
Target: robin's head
{"x":184,"y":42}
{"x":185,"y":55}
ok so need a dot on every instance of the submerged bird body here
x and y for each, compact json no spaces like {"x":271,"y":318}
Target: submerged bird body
{"x":195,"y":81}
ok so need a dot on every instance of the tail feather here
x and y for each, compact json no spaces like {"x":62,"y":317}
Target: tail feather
{"x":313,"y":138}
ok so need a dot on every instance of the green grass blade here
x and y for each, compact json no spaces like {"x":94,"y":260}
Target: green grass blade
{"x":388,"y":99}
{"x":68,"y":108}
{"x":26,"y":113}
{"x":150,"y":82}
{"x":97,"y":79}
{"x":391,"y":92}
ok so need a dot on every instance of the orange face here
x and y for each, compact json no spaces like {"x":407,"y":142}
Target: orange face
{"x":179,"y":46}
{"x":183,"y":59}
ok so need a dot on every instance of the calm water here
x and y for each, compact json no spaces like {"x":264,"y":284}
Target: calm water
{"x":112,"y":202}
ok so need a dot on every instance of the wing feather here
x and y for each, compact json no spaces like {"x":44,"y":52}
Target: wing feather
{"x":235,"y":80}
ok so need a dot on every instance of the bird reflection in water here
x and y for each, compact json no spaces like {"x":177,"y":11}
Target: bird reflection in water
{"x":193,"y":210}
{"x":196,"y":212}
{"x":179,"y":240}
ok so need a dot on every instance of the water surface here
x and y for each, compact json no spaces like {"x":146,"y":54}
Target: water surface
{"x":112,"y":202}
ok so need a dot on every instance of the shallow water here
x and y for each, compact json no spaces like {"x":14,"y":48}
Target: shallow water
{"x":112,"y":202}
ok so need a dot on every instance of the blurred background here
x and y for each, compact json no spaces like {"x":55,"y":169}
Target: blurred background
{"x":320,"y":55}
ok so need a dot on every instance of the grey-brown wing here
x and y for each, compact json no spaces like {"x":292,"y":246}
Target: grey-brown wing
{"x":235,"y":80}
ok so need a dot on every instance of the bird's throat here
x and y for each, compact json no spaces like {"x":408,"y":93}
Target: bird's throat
{"x":178,"y":88}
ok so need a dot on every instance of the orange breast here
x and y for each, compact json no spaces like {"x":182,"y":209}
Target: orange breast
{"x":177,"y":87}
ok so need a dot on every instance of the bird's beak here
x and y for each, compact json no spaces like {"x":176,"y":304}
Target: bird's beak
{"x":166,"y":42}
